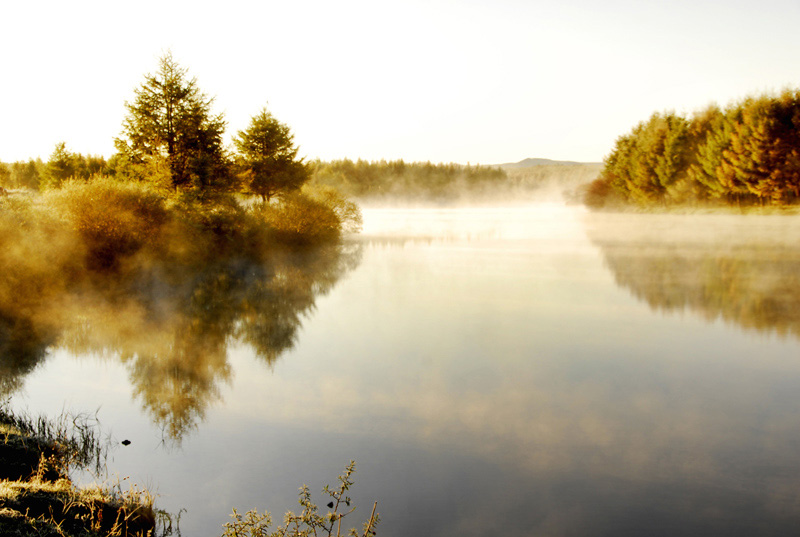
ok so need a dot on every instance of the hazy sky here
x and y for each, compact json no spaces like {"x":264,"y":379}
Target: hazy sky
{"x":480,"y":81}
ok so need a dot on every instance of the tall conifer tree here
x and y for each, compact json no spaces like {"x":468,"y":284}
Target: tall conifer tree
{"x":171,"y":119}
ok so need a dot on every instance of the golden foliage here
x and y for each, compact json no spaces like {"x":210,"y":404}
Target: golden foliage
{"x":114,"y":219}
{"x":747,"y":154}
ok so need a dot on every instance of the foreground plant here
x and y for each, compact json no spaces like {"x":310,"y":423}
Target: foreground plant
{"x":39,"y":498}
{"x":309,"y":521}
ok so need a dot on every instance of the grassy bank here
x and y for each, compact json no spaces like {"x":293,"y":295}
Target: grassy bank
{"x":38,"y":496}
{"x":39,"y":499}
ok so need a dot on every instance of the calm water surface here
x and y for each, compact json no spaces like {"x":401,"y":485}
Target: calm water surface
{"x":494,"y":371}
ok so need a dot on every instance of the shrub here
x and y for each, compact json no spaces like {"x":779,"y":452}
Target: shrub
{"x":348,"y":213}
{"x":299,"y":220}
{"x":114,"y":219}
{"x":599,"y":193}
{"x":309,"y":521}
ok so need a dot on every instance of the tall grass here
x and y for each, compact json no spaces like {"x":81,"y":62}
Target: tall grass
{"x":73,"y":440}
{"x":37,"y":495}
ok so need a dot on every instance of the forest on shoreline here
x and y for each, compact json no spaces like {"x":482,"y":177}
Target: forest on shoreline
{"x":367,"y":182}
{"x":173,"y":186}
{"x":746,"y":155}
{"x":191,"y":246}
{"x":163,"y":254}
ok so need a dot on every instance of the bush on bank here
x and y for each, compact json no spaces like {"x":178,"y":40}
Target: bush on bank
{"x":102,"y":222}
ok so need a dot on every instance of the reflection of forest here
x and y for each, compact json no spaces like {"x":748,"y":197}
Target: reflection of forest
{"x":750,"y":277}
{"x":171,"y":325}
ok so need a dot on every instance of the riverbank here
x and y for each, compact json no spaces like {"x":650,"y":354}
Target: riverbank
{"x":38,"y":496}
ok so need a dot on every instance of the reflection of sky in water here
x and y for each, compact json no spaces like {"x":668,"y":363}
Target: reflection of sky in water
{"x":498,"y":385}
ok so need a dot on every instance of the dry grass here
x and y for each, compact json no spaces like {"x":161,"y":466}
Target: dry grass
{"x":37,"y":496}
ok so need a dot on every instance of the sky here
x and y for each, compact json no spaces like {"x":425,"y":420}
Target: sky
{"x":472,"y":81}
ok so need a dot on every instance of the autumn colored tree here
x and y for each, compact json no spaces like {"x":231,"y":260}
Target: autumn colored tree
{"x":747,"y":154}
{"x":710,"y":132}
{"x":646,"y":163}
{"x":764,"y":153}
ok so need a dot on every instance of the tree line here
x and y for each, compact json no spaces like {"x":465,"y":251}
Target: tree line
{"x":35,"y":174}
{"x":171,"y":138}
{"x":745,"y":154}
{"x":409,"y":180}
{"x":171,"y":175}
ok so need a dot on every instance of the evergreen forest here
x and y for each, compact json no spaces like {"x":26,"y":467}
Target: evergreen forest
{"x":747,"y":154}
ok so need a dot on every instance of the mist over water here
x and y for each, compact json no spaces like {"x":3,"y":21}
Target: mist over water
{"x":525,"y":369}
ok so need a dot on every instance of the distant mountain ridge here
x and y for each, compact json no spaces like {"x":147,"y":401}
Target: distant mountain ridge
{"x":528,"y":162}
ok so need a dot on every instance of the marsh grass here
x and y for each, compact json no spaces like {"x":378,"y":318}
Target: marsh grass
{"x":68,"y":442}
{"x":43,"y":501}
{"x":59,"y":508}
{"x":38,"y":497}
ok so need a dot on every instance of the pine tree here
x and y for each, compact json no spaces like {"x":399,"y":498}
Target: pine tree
{"x":60,"y":166}
{"x":170,"y":119}
{"x":268,"y":157}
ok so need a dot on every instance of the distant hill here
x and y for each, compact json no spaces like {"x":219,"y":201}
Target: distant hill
{"x":528,"y":162}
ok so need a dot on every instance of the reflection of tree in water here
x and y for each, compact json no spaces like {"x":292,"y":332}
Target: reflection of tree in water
{"x":33,"y":281}
{"x":172,"y":326}
{"x":755,"y":285}
{"x":22,"y":347}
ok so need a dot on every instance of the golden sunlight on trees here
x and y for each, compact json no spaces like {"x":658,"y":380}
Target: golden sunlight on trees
{"x":113,"y":219}
{"x":268,"y":157}
{"x":59,"y":167}
{"x":63,"y":165}
{"x":747,"y":154}
{"x":170,"y":120}
{"x":410,"y":180}
{"x":25,"y":174}
{"x":764,"y":144}
{"x":651,"y":159}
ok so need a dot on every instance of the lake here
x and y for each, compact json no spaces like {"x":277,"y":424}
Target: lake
{"x":520,"y":370}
